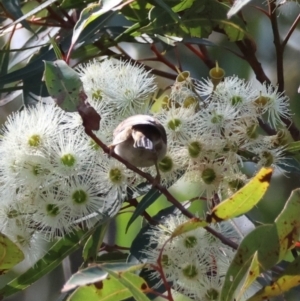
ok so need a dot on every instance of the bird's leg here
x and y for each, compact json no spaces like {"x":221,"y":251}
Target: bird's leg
{"x":111,"y":149}
{"x":157,"y":177}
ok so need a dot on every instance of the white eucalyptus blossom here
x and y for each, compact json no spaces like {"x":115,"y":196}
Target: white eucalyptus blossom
{"x":180,"y":123}
{"x":195,"y":263}
{"x":70,"y":153}
{"x":275,"y":104}
{"x":83,"y":196}
{"x":125,"y":87}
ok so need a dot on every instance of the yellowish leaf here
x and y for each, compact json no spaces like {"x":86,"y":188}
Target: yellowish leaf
{"x":244,"y":199}
{"x":10,"y":254}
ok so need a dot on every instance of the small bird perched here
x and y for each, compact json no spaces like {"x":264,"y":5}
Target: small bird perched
{"x":141,"y":140}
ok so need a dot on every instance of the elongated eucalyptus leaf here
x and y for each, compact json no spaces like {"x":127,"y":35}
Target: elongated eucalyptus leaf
{"x":92,"y":246}
{"x":244,"y":199}
{"x":253,"y":272}
{"x":167,"y":9}
{"x":242,"y":261}
{"x":13,"y":7}
{"x":190,"y":225}
{"x":90,"y":14}
{"x":4,"y":60}
{"x":22,"y":17}
{"x":151,"y":196}
{"x":96,"y":273}
{"x":289,"y":279}
{"x":288,"y":223}
{"x":134,"y":283}
{"x":62,"y":248}
{"x":34,"y":67}
{"x":67,"y":4}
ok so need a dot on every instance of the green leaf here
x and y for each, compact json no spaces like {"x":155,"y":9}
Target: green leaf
{"x":151,"y":196}
{"x":68,"y":4}
{"x":102,"y":283}
{"x":10,"y":254}
{"x":252,"y":273}
{"x":234,"y":32}
{"x":288,"y":223}
{"x":244,"y":199}
{"x":13,"y":7}
{"x":92,"y":246}
{"x":134,"y":283}
{"x":34,"y":67}
{"x":242,"y":261}
{"x":271,"y":243}
{"x":34,"y":89}
{"x":22,"y":17}
{"x":4,"y":60}
{"x":162,"y":4}
{"x":108,"y":290}
{"x":64,"y":85}
{"x":112,"y":257}
{"x":62,"y":248}
{"x":90,"y":14}
{"x":197,"y":19}
{"x":183,"y":5}
{"x":136,"y":11}
{"x":161,"y":23}
{"x":216,"y":11}
{"x":289,"y":279}
{"x":190,"y":225}
{"x":57,"y":50}
{"x":96,"y":273}
{"x":268,"y":252}
{"x":293,"y":146}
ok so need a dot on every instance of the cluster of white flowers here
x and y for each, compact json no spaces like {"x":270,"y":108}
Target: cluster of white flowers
{"x":53,"y":176}
{"x":213,"y":128}
{"x":194,"y":263}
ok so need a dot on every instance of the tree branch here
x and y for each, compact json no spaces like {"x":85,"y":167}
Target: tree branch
{"x":278,"y":46}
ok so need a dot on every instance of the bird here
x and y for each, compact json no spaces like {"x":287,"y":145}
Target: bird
{"x":141,"y":140}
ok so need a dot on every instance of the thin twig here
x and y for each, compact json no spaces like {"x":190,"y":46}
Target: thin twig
{"x":293,"y":27}
{"x":161,"y":58}
{"x":248,"y":48}
{"x":210,"y":64}
{"x":278,"y":46}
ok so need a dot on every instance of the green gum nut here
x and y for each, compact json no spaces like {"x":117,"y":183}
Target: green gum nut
{"x":166,"y":102}
{"x":166,"y":164}
{"x":216,"y":74}
{"x":208,"y":176}
{"x":183,"y":76}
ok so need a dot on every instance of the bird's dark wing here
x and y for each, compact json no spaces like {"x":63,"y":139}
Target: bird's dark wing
{"x":141,"y":140}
